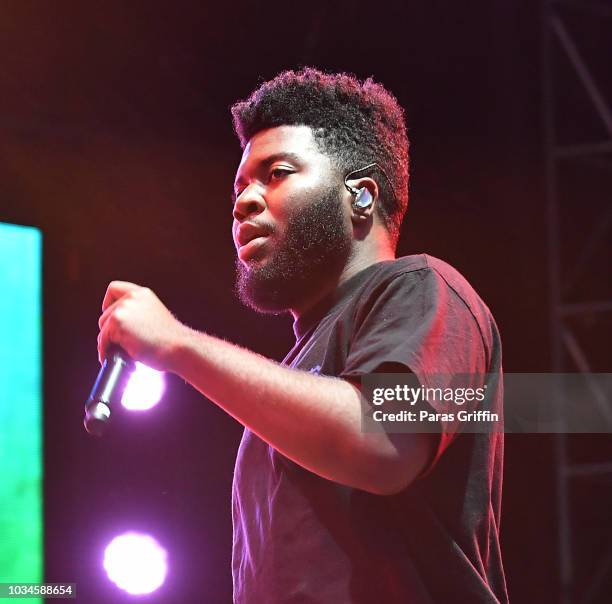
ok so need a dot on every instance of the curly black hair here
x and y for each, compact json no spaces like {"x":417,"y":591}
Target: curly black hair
{"x":354,"y":122}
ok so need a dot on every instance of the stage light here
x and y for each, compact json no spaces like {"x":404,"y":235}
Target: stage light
{"x":136,"y":563}
{"x":144,"y":390}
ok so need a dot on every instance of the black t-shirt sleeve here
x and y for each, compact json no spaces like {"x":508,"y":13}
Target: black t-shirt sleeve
{"x":418,"y":322}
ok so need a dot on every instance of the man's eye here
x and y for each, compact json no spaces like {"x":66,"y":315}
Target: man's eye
{"x":278,"y":173}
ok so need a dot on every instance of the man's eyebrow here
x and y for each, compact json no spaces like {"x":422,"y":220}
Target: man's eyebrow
{"x":268,"y":161}
{"x":294,"y":157}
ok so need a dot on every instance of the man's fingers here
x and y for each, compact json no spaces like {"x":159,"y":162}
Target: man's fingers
{"x":107,"y":313}
{"x":116,"y":290}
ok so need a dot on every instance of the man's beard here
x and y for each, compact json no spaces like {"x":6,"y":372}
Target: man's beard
{"x":314,"y":248}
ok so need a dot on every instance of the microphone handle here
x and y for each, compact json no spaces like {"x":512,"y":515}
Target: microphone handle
{"x":108,"y":389}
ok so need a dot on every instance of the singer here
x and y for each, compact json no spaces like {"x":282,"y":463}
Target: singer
{"x":324,"y":512}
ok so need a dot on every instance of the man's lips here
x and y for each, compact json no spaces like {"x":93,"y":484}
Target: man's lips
{"x":249,"y":249}
{"x":250,"y":237}
{"x":248,"y":231}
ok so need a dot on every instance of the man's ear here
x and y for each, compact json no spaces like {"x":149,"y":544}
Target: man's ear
{"x":364,"y":197}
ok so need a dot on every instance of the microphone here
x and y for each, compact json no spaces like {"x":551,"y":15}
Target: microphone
{"x":108,"y":389}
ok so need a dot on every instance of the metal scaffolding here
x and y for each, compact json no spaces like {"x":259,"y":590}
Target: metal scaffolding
{"x":561,"y":50}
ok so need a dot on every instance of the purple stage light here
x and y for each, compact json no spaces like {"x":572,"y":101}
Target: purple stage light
{"x":144,"y":390}
{"x":136,"y":563}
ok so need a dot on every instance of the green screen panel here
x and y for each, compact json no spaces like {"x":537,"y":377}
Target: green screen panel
{"x":21,"y":470}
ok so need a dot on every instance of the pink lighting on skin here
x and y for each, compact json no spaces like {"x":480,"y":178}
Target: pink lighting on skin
{"x":144,"y":390}
{"x":136,"y":563}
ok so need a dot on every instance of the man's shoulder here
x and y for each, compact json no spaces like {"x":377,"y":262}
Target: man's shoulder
{"x":424,"y":263}
{"x":428,"y":278}
{"x":437,"y":270}
{"x":421,"y":267}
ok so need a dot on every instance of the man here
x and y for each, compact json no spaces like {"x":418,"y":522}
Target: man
{"x":324,"y":511}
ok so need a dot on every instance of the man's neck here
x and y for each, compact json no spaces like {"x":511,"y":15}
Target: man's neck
{"x":355,"y":264}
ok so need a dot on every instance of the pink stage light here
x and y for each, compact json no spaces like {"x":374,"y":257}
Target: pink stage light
{"x":136,"y":563}
{"x":144,"y":390}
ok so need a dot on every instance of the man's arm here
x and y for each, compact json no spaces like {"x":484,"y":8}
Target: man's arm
{"x":313,"y":420}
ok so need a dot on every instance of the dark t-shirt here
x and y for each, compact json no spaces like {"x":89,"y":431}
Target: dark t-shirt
{"x":299,"y":538}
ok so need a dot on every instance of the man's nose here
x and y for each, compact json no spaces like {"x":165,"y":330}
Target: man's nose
{"x":249,"y":202}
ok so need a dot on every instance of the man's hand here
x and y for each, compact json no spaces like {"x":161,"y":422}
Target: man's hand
{"x":134,"y":318}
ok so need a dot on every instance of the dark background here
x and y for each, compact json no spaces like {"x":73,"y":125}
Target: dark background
{"x":116,"y":141}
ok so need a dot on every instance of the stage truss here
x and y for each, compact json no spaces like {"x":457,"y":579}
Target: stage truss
{"x":586,"y":140}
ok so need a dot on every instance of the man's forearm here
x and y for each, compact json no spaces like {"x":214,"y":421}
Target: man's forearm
{"x":313,"y":420}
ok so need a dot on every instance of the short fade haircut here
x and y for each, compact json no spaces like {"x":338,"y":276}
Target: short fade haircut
{"x":354,"y":122}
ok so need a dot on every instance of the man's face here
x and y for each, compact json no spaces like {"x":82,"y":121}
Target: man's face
{"x":291,"y":230}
